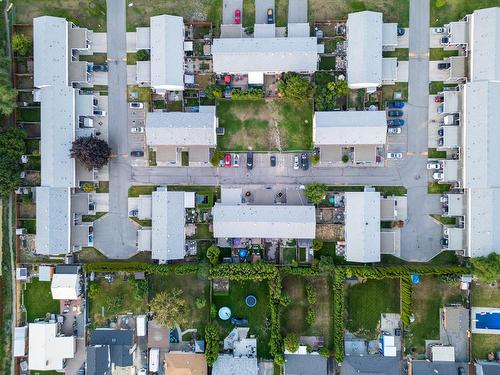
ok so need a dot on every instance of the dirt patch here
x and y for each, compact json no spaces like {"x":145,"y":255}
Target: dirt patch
{"x":330,"y":232}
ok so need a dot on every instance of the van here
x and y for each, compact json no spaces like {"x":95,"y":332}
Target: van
{"x":154,"y":360}
{"x":141,"y":323}
{"x":99,"y":112}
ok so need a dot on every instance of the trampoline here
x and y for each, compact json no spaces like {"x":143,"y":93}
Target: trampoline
{"x":250,"y":300}
{"x":224,"y":313}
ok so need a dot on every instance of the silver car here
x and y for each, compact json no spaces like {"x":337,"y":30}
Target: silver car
{"x":296,"y":163}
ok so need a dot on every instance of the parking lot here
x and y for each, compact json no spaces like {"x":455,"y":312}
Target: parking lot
{"x":261,"y":7}
{"x":137,"y":140}
{"x":228,"y":9}
{"x":397,"y":143}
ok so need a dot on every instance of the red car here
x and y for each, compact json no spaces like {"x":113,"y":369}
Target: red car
{"x":439,"y":99}
{"x":237,"y":16}
{"x":227,"y":160}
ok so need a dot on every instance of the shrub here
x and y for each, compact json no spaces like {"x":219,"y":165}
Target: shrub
{"x":315,"y":159}
{"x":158,"y":269}
{"x":317,"y":244}
{"x":345,"y":158}
{"x":213,"y":92}
{"x":324,"y":352}
{"x":310,"y":316}
{"x":213,"y":311}
{"x":294,"y":86}
{"x":338,"y":314}
{"x":250,"y":94}
{"x":211,"y":343}
{"x":142,"y":55}
{"x":12,"y":144}
{"x":486,"y":268}
{"x":88,"y":187}
{"x":217,"y":156}
{"x":440,"y":3}
{"x":213,"y":253}
{"x":309,"y":349}
{"x":22,"y":44}
{"x":315,"y":192}
{"x":310,"y":294}
{"x":200,"y":302}
{"x":406,"y":301}
{"x":291,"y":342}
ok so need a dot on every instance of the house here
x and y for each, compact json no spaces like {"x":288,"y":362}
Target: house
{"x":359,"y":135}
{"x":48,"y":349}
{"x":66,"y":286}
{"x":305,"y":363}
{"x":243,"y":357}
{"x":98,"y":360}
{"x":171,"y":133}
{"x":367,"y":37}
{"x":182,"y":363}
{"x":117,"y":344}
{"x":487,"y":368}
{"x":421,"y":367}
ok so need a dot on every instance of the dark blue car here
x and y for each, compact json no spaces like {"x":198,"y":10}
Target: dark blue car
{"x":395,"y":104}
{"x":395,"y":113}
{"x":396,"y":122}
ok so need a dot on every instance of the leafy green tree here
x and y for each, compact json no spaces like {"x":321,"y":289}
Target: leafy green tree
{"x":200,"y":302}
{"x":291,"y":342}
{"x":22,"y":44}
{"x":324,"y":352}
{"x":487,"y":268}
{"x":315,"y":192}
{"x":213,"y":92}
{"x":279,"y":359}
{"x":217,"y":156}
{"x":213,"y":253}
{"x":339,"y":88}
{"x":91,"y":151}
{"x":7,"y":98}
{"x":317,"y":244}
{"x":142,"y":55}
{"x":326,"y":100}
{"x":295,"y":87}
{"x":12,"y":144}
{"x":211,"y":343}
{"x":169,"y":308}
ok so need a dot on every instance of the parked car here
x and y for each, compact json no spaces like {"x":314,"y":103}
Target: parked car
{"x":394,"y":155}
{"x":444,"y":242}
{"x":273,"y":160}
{"x":249,"y":160}
{"x":440,"y":142}
{"x":137,"y":154}
{"x":304,"y":162}
{"x":236,"y":160}
{"x":440,"y":132}
{"x":438,"y":30}
{"x":395,"y":113}
{"x":445,"y":40}
{"x":133,"y":213}
{"x":394,"y":130}
{"x":443,"y":198}
{"x":401,"y":31}
{"x":99,"y":112}
{"x":139,"y":129}
{"x":395,"y":104}
{"x":433,"y":165}
{"x":296,"y":164}
{"x":444,"y":66}
{"x":237,"y":16}
{"x":100,"y":67}
{"x":438,"y":175}
{"x":227,"y":160}
{"x":440,"y":109}
{"x":396,"y":122}
{"x":439,"y":99}
{"x":461,"y":371}
{"x":136,"y":105}
{"x":270,"y":16}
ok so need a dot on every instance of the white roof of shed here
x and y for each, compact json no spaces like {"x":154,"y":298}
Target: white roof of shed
{"x":255,"y":221}
{"x":268,"y":55}
{"x":182,"y":128}
{"x":50,"y":51}
{"x":364,"y":49}
{"x":47,"y":350}
{"x":485,"y":44}
{"x":443,"y":353}
{"x":53,"y":220}
{"x":350,"y":128}
{"x":362,"y":226}
{"x":167,"y":52}
{"x":65,"y":286}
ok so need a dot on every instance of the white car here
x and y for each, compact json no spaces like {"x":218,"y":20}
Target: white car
{"x":296,"y":164}
{"x":136,"y":105}
{"x":438,"y":30}
{"x":394,"y":155}
{"x":438,"y":175}
{"x":433,"y":165}
{"x":236,"y":160}
{"x":393,"y":130}
{"x":139,"y":129}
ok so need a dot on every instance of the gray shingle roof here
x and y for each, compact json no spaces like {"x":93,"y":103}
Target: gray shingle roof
{"x":98,"y":360}
{"x":299,"y":364}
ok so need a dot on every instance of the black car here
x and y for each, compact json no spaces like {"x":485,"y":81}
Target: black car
{"x":249,"y":160}
{"x":273,"y":161}
{"x":137,"y":154}
{"x":401,"y":31}
{"x":445,"y":40}
{"x":461,"y":371}
{"x":395,"y":113}
{"x":443,"y":66}
{"x":100,"y":67}
{"x":440,"y":132}
{"x":304,"y":162}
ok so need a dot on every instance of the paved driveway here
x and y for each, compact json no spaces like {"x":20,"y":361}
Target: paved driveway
{"x":261,"y":7}
{"x":297,"y":11}
{"x":228,"y":8}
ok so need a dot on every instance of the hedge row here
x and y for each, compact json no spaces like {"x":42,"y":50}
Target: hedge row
{"x":244,"y":271}
{"x":385,"y":272}
{"x":406,"y":302}
{"x":338,"y":315}
{"x":160,"y":269}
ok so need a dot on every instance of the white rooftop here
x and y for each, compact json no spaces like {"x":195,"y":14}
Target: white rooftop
{"x":267,"y":55}
{"x":255,"y":221}
{"x":364,"y":49}
{"x":362,"y":226}
{"x":20,"y":336}
{"x":47,"y":350}
{"x":167,"y":52}
{"x":349,"y":128}
{"x":485,"y":44}
{"x":443,"y":353}
{"x":65,"y":286}
{"x":182,"y":128}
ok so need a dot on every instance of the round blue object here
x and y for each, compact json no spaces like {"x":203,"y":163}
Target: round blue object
{"x":251,"y":300}
{"x":415,"y":279}
{"x":243,"y":253}
{"x":224,"y":313}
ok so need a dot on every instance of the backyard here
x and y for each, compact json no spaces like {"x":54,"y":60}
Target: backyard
{"x":258,"y":316}
{"x":444,"y":11}
{"x":38,"y":300}
{"x":485,"y":295}
{"x":427,"y":298}
{"x":263,"y":125}
{"x":294,"y":314}
{"x":366,"y":301}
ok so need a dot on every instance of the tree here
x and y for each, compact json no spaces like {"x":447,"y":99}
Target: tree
{"x":324,"y":352}
{"x":315,"y":192}
{"x":213,"y":253}
{"x":91,"y":151}
{"x":213,"y":92}
{"x":7,"y":98}
{"x":317,"y":244}
{"x":291,"y":342}
{"x":487,"y":268}
{"x":169,"y":308}
{"x":211,"y":343}
{"x":200,"y":302}
{"x":339,"y":88}
{"x":142,"y":55}
{"x":12,"y":144}
{"x":22,"y":44}
{"x":295,"y":87}
{"x":326,"y":100}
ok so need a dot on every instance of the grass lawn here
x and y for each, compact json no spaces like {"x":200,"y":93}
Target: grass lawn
{"x":432,"y":153}
{"x":136,"y":190}
{"x":143,"y":223}
{"x":281,"y":12}
{"x":444,"y":258}
{"x":483,"y":344}
{"x":96,"y":58}
{"x":108,"y":300}
{"x":29,"y":225}
{"x":445,"y":219}
{"x":131,"y":59}
{"x":365,"y":302}
{"x":452,"y":10}
{"x":263,"y":125}
{"x":389,"y":90}
{"x":143,"y":94}
{"x":400,"y":53}
{"x":90,"y":255}
{"x":436,"y":54}
{"x":391,"y":190}
{"x":428,"y":297}
{"x":248,"y":13}
{"x":98,"y":215}
{"x":152,"y":157}
{"x":289,"y":254}
{"x":293,"y":316}
{"x":29,"y":114}
{"x":102,"y":187}
{"x":485,"y":295}
{"x":185,"y":158}
{"x":38,"y":300}
{"x":192,"y":288}
{"x":327,"y":63}
{"x":435,"y":188}
{"x":258,"y":316}
{"x":202,"y":232}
